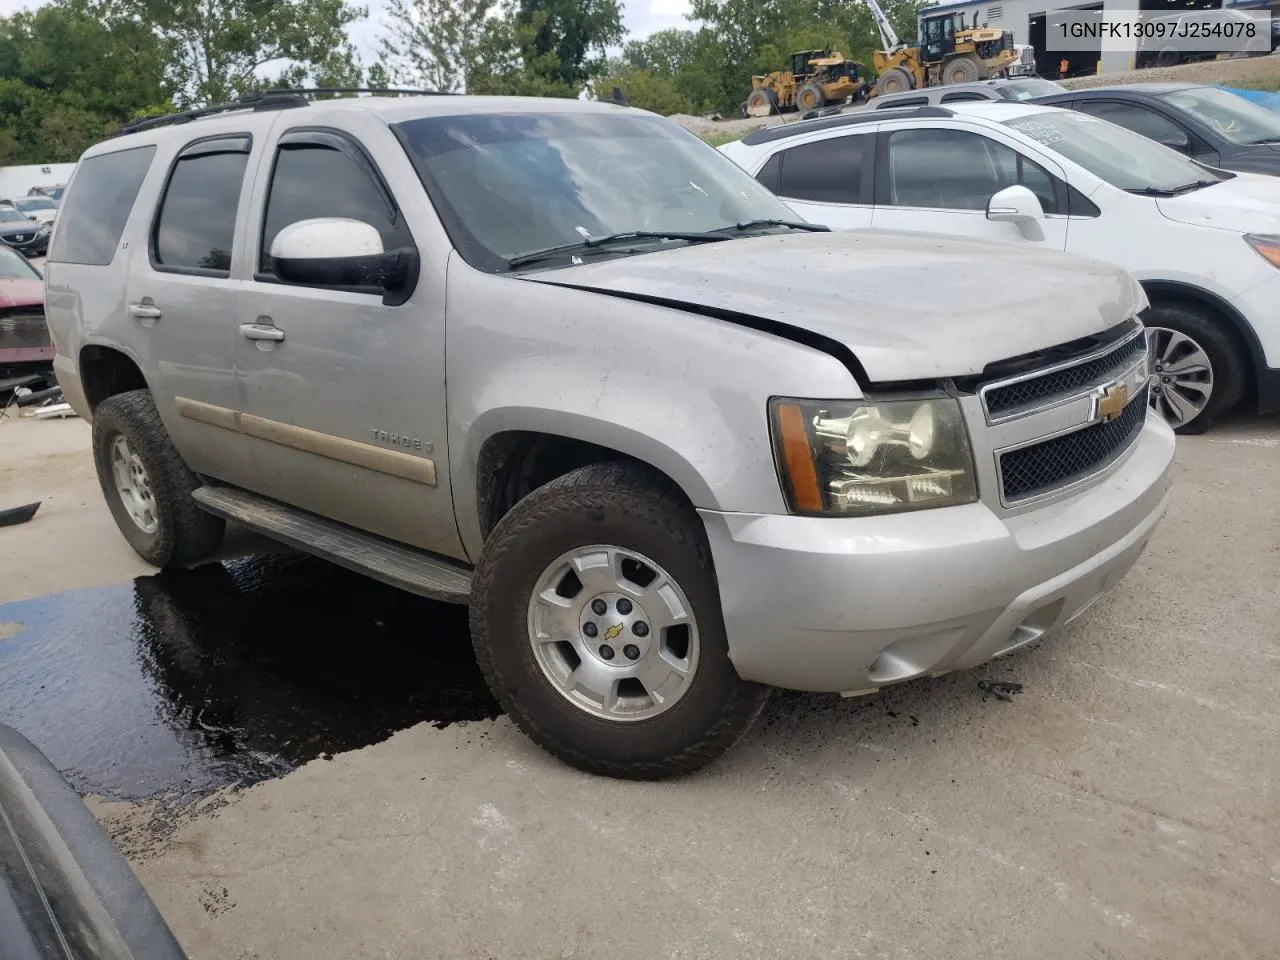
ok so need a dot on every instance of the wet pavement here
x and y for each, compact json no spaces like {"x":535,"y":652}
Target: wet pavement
{"x":228,"y":674}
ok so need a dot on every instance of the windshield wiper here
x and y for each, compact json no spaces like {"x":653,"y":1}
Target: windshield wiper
{"x":1171,"y":191}
{"x":591,"y":243}
{"x":793,"y":224}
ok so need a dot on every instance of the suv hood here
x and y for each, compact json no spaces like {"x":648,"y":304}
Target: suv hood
{"x":909,"y":306}
{"x":1248,"y":202}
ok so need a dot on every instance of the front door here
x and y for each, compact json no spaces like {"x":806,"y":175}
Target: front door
{"x":344,"y":391}
{"x":940,"y":180}
{"x":182,"y":297}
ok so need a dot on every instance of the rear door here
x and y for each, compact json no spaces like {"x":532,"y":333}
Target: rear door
{"x":936,"y":179}
{"x":182,"y":297}
{"x":827,"y":180}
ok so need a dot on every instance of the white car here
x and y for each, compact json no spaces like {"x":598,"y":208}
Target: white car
{"x":35,"y":208}
{"x":1204,"y":243}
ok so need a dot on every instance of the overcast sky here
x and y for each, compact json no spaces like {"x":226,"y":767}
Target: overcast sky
{"x":642,"y":18}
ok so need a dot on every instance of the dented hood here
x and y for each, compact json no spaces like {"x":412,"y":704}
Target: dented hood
{"x":909,"y":306}
{"x":1248,"y":202}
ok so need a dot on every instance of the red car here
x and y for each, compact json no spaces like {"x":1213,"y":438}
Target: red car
{"x":25,"y":346}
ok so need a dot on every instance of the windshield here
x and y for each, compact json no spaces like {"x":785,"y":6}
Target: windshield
{"x":14,"y":266}
{"x":1026,"y":89}
{"x":1233,"y":117}
{"x":29,"y":204}
{"x":1121,"y":157}
{"x":511,"y":185}
{"x":8,"y":213}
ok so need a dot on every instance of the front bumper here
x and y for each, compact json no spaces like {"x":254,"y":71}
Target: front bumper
{"x":850,"y":605}
{"x":37,"y":246}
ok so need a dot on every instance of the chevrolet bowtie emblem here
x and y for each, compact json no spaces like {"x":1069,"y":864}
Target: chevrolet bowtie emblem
{"x":612,"y":632}
{"x":1112,"y":403}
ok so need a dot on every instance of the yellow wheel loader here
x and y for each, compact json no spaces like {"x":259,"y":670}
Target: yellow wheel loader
{"x":949,"y":52}
{"x":813,"y":79}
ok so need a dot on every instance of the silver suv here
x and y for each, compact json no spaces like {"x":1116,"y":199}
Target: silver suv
{"x":564,"y":362}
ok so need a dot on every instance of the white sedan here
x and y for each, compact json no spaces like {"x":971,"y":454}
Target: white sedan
{"x":1205,"y":243}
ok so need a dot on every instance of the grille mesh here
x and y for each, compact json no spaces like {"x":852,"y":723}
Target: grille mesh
{"x":1026,"y":393}
{"x":23,"y":330}
{"x":1058,"y":462}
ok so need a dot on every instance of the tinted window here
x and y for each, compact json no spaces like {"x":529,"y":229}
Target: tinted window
{"x":829,"y":171}
{"x":198,"y":214}
{"x":94,"y":213}
{"x":904,"y":102}
{"x":349,"y":190}
{"x":1138,"y":119}
{"x":1231,"y":116}
{"x":953,"y":97}
{"x":955,"y":170}
{"x":771,"y":172}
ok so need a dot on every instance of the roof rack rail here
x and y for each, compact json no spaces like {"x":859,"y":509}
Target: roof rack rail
{"x":784,"y":130}
{"x":263,"y":100}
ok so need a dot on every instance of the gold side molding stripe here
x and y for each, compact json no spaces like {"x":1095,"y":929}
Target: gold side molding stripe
{"x":391,"y":462}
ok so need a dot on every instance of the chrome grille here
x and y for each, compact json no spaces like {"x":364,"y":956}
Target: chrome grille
{"x":1060,"y":461}
{"x":20,"y":330}
{"x":1012,"y":398}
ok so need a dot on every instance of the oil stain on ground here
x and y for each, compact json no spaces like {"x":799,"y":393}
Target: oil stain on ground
{"x":179,"y":684}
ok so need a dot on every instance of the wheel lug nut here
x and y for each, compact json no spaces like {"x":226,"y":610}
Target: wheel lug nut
{"x":640,"y":628}
{"x":624,"y":606}
{"x":599,"y":607}
{"x":590,"y":629}
{"x":1166,"y":379}
{"x":607,"y":652}
{"x":631,"y":651}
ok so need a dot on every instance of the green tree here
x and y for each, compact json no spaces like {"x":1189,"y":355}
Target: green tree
{"x":576,"y":33}
{"x":221,"y":48}
{"x":643,"y":88}
{"x":434,"y":43}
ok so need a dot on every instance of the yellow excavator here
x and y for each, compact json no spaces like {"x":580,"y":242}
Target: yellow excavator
{"x":949,"y":52}
{"x":813,"y":79}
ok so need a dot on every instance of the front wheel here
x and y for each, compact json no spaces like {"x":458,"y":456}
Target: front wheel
{"x":1196,"y":369}
{"x":596,"y":621}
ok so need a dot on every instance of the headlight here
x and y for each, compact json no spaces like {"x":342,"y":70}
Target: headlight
{"x":1267,"y":247}
{"x":859,"y":457}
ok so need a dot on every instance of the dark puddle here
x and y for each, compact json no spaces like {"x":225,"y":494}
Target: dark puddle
{"x":226,"y":674}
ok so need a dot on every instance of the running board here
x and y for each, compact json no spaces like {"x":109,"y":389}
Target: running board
{"x":407,"y":568}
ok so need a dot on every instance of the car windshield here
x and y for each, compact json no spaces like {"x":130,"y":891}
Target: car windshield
{"x":1233,"y":117}
{"x":14,"y":266}
{"x":1119,"y":156}
{"x":514,"y":185}
{"x":9,"y":213}
{"x":30,"y":204}
{"x":1026,"y":89}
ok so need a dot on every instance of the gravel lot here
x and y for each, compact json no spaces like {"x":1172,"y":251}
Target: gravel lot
{"x":1124,"y":805}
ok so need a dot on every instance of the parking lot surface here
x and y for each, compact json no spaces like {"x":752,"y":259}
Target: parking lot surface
{"x":1125,"y":804}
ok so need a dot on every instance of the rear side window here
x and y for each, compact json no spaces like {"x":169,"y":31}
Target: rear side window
{"x":904,"y":102}
{"x":829,"y":171}
{"x":351,"y":190}
{"x":956,"y":97}
{"x":197,"y":220}
{"x":94,"y":212}
{"x":771,"y":172}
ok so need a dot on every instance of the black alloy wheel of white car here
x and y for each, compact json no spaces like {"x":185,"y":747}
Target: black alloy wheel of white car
{"x":1196,"y":369}
{"x":147,"y":484}
{"x":596,"y":621}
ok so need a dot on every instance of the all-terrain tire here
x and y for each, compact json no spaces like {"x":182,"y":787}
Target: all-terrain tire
{"x":630,"y":506}
{"x":963,"y":69}
{"x":893,"y":80}
{"x":1230,"y":373}
{"x":184,"y":533}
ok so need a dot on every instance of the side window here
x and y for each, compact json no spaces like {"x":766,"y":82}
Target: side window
{"x":905,"y":102}
{"x":197,"y":220}
{"x":828,"y":171}
{"x":769,"y":174}
{"x":956,"y":97}
{"x":95,"y":210}
{"x":321,"y":175}
{"x":1138,"y":119}
{"x":957,"y":170}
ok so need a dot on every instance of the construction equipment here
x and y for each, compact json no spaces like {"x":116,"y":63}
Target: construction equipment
{"x":813,"y":79}
{"x":948,"y":52}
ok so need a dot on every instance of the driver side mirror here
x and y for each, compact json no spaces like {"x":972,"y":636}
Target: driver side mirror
{"x":1175,"y":140}
{"x":1015,"y":205}
{"x":338,"y":252}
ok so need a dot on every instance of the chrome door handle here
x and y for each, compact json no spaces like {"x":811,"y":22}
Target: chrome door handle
{"x":144,"y":311}
{"x":260,"y":331}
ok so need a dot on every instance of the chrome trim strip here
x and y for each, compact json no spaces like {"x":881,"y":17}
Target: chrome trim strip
{"x":1047,"y":371}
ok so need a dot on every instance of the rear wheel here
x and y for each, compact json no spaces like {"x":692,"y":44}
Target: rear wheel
{"x":893,"y":80}
{"x":596,"y":621}
{"x":1197,"y":369}
{"x":961,"y":70}
{"x":147,"y":485}
{"x":760,"y":103}
{"x":810,"y":97}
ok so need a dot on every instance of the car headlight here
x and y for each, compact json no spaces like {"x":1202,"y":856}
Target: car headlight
{"x":860,"y":457}
{"x":1267,"y":247}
